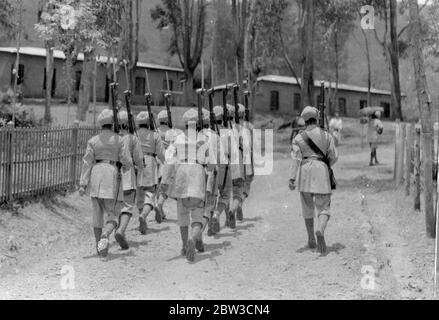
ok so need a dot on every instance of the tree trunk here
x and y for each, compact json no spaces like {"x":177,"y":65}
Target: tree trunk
{"x":337,"y":69}
{"x":85,"y":86}
{"x":369,"y":68}
{"x":49,"y":80}
{"x":189,"y":95}
{"x":394,"y":60}
{"x":425,"y":111}
{"x":69,"y":74}
{"x":307,"y":40}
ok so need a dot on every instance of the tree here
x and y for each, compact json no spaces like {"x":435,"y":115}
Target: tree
{"x":425,"y":111}
{"x":186,"y":19}
{"x":239,"y":14}
{"x":71,"y":24}
{"x":335,"y":21}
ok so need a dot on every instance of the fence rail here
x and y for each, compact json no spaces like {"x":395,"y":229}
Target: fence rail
{"x":40,"y":161}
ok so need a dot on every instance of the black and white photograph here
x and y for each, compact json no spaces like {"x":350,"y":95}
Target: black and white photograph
{"x":219,"y":150}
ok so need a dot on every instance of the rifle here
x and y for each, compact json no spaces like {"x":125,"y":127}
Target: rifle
{"x":213,"y":124}
{"x":168,"y":97}
{"x":200,"y":109}
{"x":235,"y":98}
{"x":322,"y":106}
{"x":148,"y":97}
{"x":113,"y":89}
{"x":246,"y":101}
{"x":131,"y":123}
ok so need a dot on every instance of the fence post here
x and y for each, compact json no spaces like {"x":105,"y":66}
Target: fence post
{"x":74,"y":155}
{"x":427,"y":138}
{"x":400,"y":156}
{"x":408,"y":167}
{"x":10,"y":143}
{"x":395,"y":166}
{"x":417,"y":169}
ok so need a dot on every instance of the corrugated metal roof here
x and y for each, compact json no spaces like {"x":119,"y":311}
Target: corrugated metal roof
{"x":341,"y":86}
{"x":58,"y":54}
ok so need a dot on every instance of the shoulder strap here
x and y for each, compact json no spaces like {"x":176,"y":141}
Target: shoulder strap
{"x":312,"y":145}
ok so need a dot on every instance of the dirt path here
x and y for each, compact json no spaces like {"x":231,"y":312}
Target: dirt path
{"x":373,"y":228}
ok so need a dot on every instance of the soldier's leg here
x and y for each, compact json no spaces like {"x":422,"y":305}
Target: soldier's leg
{"x":223,"y":203}
{"x":183,"y":222}
{"x":125,"y":217}
{"x":111,"y":209}
{"x":371,"y":155}
{"x":148,"y":206}
{"x":98,"y":219}
{"x":238,"y":199}
{"x":308,"y":211}
{"x":163,"y":189}
{"x":375,"y":154}
{"x":195,"y":241}
{"x":323,"y":204}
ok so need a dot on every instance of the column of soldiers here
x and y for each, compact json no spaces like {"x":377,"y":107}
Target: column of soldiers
{"x":201,"y":167}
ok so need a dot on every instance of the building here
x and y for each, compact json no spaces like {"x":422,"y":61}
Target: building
{"x":282,"y":94}
{"x":32,"y":74}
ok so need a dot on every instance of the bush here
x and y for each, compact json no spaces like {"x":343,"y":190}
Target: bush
{"x":23,"y":118}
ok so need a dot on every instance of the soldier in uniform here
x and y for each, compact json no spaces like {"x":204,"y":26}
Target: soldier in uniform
{"x":189,"y":187}
{"x":152,"y":149}
{"x":101,"y":180}
{"x":374,"y":130}
{"x":129,"y":179}
{"x":237,"y":168}
{"x":224,"y":179}
{"x":166,"y":170}
{"x":312,"y":173}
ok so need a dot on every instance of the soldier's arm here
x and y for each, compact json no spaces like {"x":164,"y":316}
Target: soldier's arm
{"x":125,"y":157}
{"x":160,"y":149}
{"x":87,"y":165}
{"x":296,"y":156}
{"x":137,"y":153}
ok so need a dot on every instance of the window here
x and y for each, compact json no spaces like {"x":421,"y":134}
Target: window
{"x":386,"y":107}
{"x":342,"y":106}
{"x":20,"y":79}
{"x":363,"y":104}
{"x":165,"y":85}
{"x":53,"y":82}
{"x":139,"y":89}
{"x":274,"y":100}
{"x":297,"y":102}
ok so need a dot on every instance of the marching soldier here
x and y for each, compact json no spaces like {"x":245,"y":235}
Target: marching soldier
{"x":237,"y":168}
{"x":152,"y":148}
{"x":312,"y":149}
{"x":224,"y":180}
{"x":189,"y":187}
{"x":374,"y":130}
{"x":129,"y":179}
{"x":167,"y":173}
{"x":100,"y":179}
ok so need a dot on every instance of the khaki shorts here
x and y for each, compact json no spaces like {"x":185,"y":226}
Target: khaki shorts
{"x":146,"y":196}
{"x":190,"y":210}
{"x":105,"y":211}
{"x":129,"y":203}
{"x":315,"y":202}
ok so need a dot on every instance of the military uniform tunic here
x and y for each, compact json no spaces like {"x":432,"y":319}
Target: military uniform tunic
{"x":313,"y":175}
{"x":152,"y":147}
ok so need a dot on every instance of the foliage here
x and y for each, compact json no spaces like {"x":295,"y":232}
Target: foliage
{"x":23,"y":118}
{"x":70,"y":24}
{"x":7,"y":24}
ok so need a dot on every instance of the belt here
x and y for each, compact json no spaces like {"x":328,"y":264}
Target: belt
{"x":306,"y":159}
{"x":150,"y":154}
{"x":196,"y":162}
{"x":113,"y":163}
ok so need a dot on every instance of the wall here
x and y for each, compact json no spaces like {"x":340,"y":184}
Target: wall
{"x":287,"y":92}
{"x":34,"y":78}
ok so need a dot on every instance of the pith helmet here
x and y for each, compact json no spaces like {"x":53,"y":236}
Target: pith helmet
{"x":105,"y":118}
{"x":142,"y":118}
{"x":310,"y":113}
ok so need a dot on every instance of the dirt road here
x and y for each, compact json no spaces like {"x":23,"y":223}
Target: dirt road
{"x":373,"y":233}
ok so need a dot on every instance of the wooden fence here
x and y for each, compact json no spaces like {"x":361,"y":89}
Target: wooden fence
{"x":39,"y":161}
{"x":412,"y":159}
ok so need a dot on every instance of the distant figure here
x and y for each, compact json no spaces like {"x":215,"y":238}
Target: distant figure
{"x":297,"y":126}
{"x":336,"y":128}
{"x":374,"y":130}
